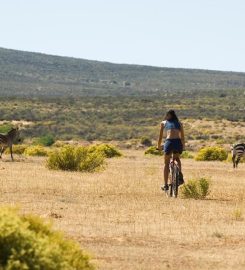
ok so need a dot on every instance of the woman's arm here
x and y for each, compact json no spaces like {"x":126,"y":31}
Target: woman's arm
{"x":159,"y":145}
{"x":182,"y":135}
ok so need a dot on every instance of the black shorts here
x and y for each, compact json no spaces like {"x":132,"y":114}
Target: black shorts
{"x":173,"y":146}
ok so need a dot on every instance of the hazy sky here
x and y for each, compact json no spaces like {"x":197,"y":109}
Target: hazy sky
{"x":206,"y":34}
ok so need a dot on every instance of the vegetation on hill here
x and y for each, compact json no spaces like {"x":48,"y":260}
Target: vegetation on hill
{"x":112,"y":118}
{"x":69,"y":98}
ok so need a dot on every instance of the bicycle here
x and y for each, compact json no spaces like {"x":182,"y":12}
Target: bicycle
{"x":174,"y":173}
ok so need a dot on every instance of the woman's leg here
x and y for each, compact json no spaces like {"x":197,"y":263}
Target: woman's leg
{"x":177,"y":158}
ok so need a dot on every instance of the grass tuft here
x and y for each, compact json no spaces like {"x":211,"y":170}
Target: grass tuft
{"x":237,"y":214}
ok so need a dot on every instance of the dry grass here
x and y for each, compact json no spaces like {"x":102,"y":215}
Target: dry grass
{"x":225,"y":132}
{"x":122,"y":217}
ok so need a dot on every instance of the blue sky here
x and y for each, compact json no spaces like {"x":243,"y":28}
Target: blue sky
{"x":207,"y":34}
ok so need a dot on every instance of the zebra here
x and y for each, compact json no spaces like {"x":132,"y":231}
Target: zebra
{"x":7,"y":140}
{"x":238,"y":151}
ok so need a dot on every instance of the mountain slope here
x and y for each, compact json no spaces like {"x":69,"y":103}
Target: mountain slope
{"x":34,"y":74}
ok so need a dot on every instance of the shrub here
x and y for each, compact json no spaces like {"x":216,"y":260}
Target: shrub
{"x":196,"y":189}
{"x":211,"y":153}
{"x":46,"y":140}
{"x":66,"y":158}
{"x":59,"y":144}
{"x":91,"y":162}
{"x":71,"y":158}
{"x":204,"y":187}
{"x":109,"y":151}
{"x":146,"y":141}
{"x":36,"y":150}
{"x":153,"y":151}
{"x":18,"y":149}
{"x":186,"y":154}
{"x":26,"y":242}
{"x":6,"y":127}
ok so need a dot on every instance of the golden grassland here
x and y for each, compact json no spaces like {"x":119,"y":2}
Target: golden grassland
{"x":121,"y":216}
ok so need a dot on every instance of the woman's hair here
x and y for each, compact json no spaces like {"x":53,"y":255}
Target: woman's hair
{"x":173,"y":115}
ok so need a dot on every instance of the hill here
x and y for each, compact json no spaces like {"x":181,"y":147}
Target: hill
{"x":34,"y":74}
{"x":81,"y":99}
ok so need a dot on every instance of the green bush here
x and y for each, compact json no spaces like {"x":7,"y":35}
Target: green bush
{"x":153,"y":151}
{"x":212,"y":153}
{"x":109,"y":151}
{"x":18,"y":149}
{"x":196,"y":189}
{"x":5,"y":128}
{"x":46,"y":140}
{"x":36,"y":150}
{"x":66,"y":158}
{"x":91,"y":162}
{"x":26,"y":242}
{"x":71,"y":158}
{"x":146,"y":141}
{"x":187,"y":154}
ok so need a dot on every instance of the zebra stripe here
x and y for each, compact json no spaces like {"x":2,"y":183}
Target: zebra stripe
{"x":238,"y":151}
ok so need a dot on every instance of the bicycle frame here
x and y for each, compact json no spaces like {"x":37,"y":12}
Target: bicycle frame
{"x":173,"y":178}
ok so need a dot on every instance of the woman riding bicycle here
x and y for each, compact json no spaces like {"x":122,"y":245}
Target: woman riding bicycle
{"x":174,"y":144}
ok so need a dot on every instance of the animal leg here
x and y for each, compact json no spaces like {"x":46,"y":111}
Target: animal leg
{"x":11,"y":152}
{"x":237,"y":162}
{"x":234,"y":161}
{"x":2,"y":150}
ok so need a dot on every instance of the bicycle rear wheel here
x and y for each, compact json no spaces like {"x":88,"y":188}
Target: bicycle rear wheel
{"x":175,"y":181}
{"x":170,"y":194}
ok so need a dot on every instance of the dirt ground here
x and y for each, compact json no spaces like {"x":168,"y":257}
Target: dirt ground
{"x":124,"y":220}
